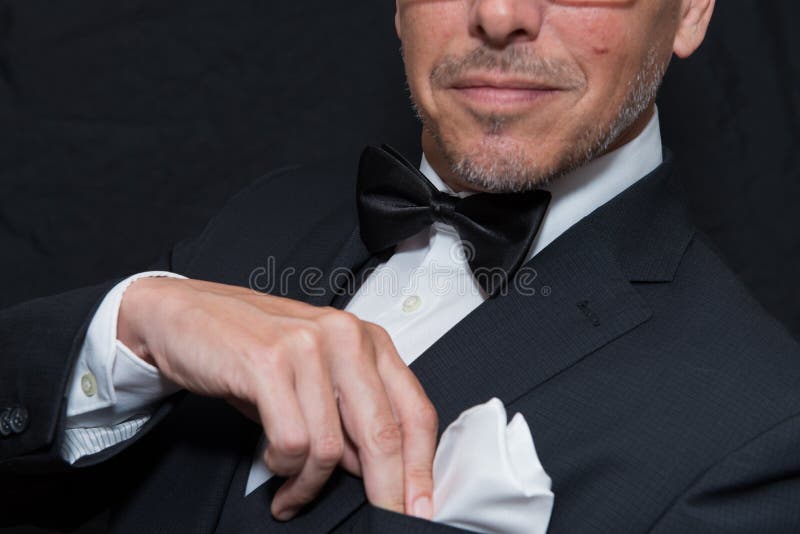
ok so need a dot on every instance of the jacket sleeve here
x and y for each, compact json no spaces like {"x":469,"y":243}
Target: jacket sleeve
{"x":40,"y":341}
{"x":756,"y":488}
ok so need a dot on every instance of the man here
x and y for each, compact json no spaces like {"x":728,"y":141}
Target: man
{"x":659,"y":396}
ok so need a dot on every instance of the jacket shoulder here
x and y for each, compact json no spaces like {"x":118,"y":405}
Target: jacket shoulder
{"x":725,"y":330}
{"x":309,"y":203}
{"x":307,"y":186}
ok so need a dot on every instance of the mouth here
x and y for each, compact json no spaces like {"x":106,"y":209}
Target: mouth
{"x":497,"y":94}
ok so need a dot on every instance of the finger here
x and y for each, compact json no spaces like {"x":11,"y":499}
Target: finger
{"x":316,"y":396}
{"x":367,"y":415}
{"x":283,"y":422}
{"x":418,"y":421}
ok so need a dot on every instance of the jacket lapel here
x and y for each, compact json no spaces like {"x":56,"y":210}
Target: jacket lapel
{"x":577,"y":302}
{"x":326,"y":277}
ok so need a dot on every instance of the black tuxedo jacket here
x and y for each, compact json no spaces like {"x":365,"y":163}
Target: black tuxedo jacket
{"x":660,"y":396}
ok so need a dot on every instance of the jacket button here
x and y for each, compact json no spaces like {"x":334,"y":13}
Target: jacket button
{"x":19,"y":419}
{"x":5,"y":423}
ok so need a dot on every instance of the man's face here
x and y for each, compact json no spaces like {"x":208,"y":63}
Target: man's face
{"x":514,"y":92}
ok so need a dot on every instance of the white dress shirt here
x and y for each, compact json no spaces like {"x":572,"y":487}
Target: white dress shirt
{"x":417,"y":295}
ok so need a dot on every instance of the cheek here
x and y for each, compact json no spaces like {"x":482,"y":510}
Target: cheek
{"x":431,"y":21}
{"x":428,"y":32}
{"x":599,"y":43}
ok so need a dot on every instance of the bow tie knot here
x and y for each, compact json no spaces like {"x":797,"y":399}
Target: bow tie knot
{"x":396,"y":201}
{"x":443,"y":206}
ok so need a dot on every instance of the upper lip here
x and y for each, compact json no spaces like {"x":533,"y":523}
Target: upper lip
{"x":500,"y":82}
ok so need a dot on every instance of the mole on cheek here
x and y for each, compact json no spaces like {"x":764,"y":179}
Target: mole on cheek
{"x":600,"y":50}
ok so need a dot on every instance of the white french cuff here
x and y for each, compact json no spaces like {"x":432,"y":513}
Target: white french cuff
{"x":104,"y":364}
{"x":487,"y":476}
{"x":112,"y":391}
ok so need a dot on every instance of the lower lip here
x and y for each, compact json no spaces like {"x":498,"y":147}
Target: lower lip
{"x":497,"y":97}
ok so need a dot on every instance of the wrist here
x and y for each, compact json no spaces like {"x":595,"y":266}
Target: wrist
{"x":136,"y":307}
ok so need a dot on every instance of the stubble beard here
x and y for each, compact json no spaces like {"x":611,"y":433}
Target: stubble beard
{"x":501,"y":165}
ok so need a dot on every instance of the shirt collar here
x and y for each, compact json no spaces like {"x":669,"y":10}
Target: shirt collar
{"x":580,"y":192}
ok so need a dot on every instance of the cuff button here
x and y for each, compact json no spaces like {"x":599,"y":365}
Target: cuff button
{"x":5,"y":423}
{"x":89,"y":385}
{"x":18,"y":419}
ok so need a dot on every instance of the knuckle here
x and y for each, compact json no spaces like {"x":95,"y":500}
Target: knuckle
{"x":347,"y":327}
{"x":306,"y":338}
{"x":419,"y":473}
{"x":379,"y":333}
{"x":290,"y":444}
{"x":426,"y":417}
{"x":280,"y":466}
{"x":274,"y":465}
{"x":386,"y":438}
{"x":329,"y":450}
{"x":397,"y":503}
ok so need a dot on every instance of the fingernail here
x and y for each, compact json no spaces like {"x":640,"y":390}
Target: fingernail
{"x":423,"y":508}
{"x":285,"y":514}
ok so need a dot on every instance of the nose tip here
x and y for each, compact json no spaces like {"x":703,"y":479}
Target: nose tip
{"x":500,"y":23}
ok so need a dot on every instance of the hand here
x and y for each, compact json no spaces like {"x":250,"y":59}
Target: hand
{"x":328,"y":388}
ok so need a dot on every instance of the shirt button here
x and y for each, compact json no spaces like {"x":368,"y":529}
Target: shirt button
{"x":89,"y":385}
{"x":412,"y":304}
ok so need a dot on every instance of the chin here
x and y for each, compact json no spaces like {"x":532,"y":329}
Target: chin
{"x":493,"y":153}
{"x":500,"y":164}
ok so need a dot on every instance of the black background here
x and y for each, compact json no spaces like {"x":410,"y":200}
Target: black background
{"x":125,"y":125}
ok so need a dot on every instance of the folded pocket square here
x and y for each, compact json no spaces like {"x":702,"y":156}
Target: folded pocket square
{"x":487,"y":475}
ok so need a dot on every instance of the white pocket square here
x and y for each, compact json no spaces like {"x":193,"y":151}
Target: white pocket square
{"x":488,"y":477}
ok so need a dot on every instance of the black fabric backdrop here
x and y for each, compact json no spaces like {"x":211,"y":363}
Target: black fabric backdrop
{"x":125,"y":125}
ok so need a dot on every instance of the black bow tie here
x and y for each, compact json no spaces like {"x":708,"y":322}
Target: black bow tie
{"x":396,"y":201}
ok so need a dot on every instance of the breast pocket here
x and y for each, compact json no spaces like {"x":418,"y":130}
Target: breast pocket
{"x":375,"y":520}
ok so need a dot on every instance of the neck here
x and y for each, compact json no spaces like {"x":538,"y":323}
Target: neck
{"x":441,"y":166}
{"x":633,"y":131}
